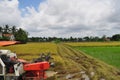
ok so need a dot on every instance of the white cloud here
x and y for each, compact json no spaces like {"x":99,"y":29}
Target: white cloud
{"x":64,"y":18}
{"x":9,"y":12}
{"x":70,"y":17}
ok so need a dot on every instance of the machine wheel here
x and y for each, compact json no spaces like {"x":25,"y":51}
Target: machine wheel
{"x":1,"y":78}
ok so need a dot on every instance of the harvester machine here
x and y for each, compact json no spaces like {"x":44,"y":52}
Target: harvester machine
{"x":12,"y":68}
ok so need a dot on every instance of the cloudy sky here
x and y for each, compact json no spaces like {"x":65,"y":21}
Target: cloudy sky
{"x":63,"y":18}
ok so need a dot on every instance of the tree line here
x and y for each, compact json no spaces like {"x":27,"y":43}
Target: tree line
{"x":19,"y":33}
{"x":22,"y":36}
{"x":115,"y":37}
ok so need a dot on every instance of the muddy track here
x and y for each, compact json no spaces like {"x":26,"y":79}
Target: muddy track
{"x":66,"y":55}
{"x":75,"y":62}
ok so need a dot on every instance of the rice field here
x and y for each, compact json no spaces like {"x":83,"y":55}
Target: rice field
{"x":108,"y":52}
{"x":110,"y":55}
{"x":73,"y":62}
{"x":68,"y":60}
{"x":93,"y":44}
{"x":31,"y":50}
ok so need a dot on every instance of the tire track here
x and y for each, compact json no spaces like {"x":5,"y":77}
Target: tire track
{"x":75,"y":61}
{"x":66,"y":55}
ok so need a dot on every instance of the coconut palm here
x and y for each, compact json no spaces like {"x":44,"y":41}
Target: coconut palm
{"x":1,"y":29}
{"x":6,"y":29}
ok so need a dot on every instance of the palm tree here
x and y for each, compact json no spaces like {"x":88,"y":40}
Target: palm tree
{"x":1,"y":29}
{"x":21,"y":35}
{"x":6,"y":29}
{"x":13,"y":30}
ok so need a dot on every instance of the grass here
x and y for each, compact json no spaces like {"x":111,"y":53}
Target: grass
{"x":110,"y":55}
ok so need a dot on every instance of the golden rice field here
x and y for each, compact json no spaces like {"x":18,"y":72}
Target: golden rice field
{"x":83,"y":44}
{"x":31,"y":50}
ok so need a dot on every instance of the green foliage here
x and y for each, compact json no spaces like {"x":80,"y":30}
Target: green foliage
{"x":1,"y":29}
{"x":13,"y":30}
{"x":21,"y":35}
{"x":116,"y":37}
{"x":57,"y":41}
{"x":5,"y":38}
{"x":1,"y":39}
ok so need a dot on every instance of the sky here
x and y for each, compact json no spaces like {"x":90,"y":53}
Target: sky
{"x":62,"y":18}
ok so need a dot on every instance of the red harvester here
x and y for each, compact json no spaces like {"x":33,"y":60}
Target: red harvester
{"x":12,"y":68}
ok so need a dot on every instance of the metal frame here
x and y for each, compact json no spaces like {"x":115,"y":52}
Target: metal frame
{"x":3,"y":66}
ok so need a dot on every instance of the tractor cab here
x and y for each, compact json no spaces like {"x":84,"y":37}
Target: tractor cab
{"x":12,"y":68}
{"x":9,"y":65}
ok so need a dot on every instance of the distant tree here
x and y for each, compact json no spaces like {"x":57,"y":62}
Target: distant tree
{"x":96,"y":38}
{"x":71,"y":38}
{"x":57,"y":41}
{"x":13,"y":30}
{"x":86,"y":38}
{"x":91,"y":38}
{"x":1,"y":29}
{"x":80,"y":39}
{"x":6,"y":29}
{"x":32,"y":39}
{"x":21,"y":35}
{"x":116,"y":37}
{"x":104,"y":38}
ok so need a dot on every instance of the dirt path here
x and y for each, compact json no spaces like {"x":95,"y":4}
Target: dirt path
{"x":76,"y":65}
